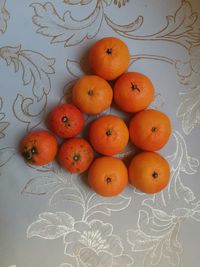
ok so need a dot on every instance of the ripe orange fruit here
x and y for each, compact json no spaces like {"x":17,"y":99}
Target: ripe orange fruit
{"x":149,"y":172}
{"x":133,"y":92}
{"x":150,"y":130}
{"x":39,"y":147}
{"x":108,"y":135}
{"x":109,"y":58}
{"x":108,"y":176}
{"x":65,"y":120}
{"x":92,"y":94}
{"x":75,"y":155}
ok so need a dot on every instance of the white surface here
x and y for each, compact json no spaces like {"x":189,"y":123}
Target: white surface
{"x":41,"y":46}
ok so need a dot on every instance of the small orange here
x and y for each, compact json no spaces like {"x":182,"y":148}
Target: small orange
{"x":133,"y":92}
{"x":75,"y":155}
{"x":108,"y":135}
{"x":109,"y":58}
{"x":92,"y":94}
{"x":65,"y":120}
{"x":108,"y":176}
{"x":39,"y":147}
{"x":150,"y":129}
{"x":149,"y":172}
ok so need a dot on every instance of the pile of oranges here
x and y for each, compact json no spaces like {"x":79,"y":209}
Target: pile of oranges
{"x":108,"y":135}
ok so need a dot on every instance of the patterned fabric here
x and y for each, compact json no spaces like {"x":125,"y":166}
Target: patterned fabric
{"x":50,"y":218}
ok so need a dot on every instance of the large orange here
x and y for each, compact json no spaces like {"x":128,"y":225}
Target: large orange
{"x":66,"y":120}
{"x":92,"y":94}
{"x":109,"y":58}
{"x":75,"y":155}
{"x":149,"y":172}
{"x":133,"y":92}
{"x":39,"y":147}
{"x":150,"y":130}
{"x":108,"y":176}
{"x":108,"y":135}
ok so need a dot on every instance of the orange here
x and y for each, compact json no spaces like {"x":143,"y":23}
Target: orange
{"x":39,"y":147}
{"x":149,"y":172}
{"x":108,"y":176}
{"x":150,"y":130}
{"x":108,"y":135}
{"x":75,"y":155}
{"x":92,"y":94}
{"x":66,"y":120}
{"x":133,"y":92}
{"x":109,"y":58}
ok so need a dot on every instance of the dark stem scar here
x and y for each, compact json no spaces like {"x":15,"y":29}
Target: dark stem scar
{"x":155,"y":175}
{"x":108,"y":180}
{"x":134,"y":87}
{"x":109,"y":51}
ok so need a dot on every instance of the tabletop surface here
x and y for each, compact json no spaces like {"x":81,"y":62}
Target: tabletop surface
{"x":51,"y":218}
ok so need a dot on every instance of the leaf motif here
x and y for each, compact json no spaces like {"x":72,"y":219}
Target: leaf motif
{"x":4,"y":16}
{"x":3,"y":124}
{"x":22,"y":109}
{"x":68,"y":194}
{"x":76,"y":2}
{"x":181,"y":212}
{"x":67,"y":29}
{"x":98,"y":204}
{"x":180,"y":28}
{"x":182,"y":21}
{"x":180,"y":159}
{"x":40,"y":185}
{"x":140,"y":241}
{"x":158,"y":102}
{"x":189,"y":110}
{"x":51,"y":225}
{"x":6,"y":154}
{"x":157,"y":253}
{"x":175,"y":245}
{"x":34,"y":66}
{"x":196,"y":215}
{"x":184,"y":192}
{"x":161,"y":215}
{"x":128,"y":28}
{"x":74,"y":69}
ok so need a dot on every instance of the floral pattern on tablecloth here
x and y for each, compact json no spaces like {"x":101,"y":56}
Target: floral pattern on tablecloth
{"x":86,"y":227}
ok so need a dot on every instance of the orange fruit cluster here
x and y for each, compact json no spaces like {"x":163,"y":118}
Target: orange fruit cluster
{"x":149,"y":130}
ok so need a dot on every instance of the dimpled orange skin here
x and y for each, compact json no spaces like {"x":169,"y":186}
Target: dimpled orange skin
{"x":65,"y":120}
{"x":39,"y":147}
{"x":108,"y":135}
{"x":133,"y":92}
{"x":92,"y":94}
{"x":109,"y":58}
{"x":108,"y":176}
{"x":149,"y":172}
{"x":75,"y":155}
{"x":150,"y":130}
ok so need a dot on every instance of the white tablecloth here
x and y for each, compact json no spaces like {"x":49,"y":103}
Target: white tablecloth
{"x":49,"y":218}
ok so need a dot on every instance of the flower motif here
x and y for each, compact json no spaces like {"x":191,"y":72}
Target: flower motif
{"x":95,"y":244}
{"x":4,"y":16}
{"x":120,"y":3}
{"x":195,"y":58}
{"x":189,"y":71}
